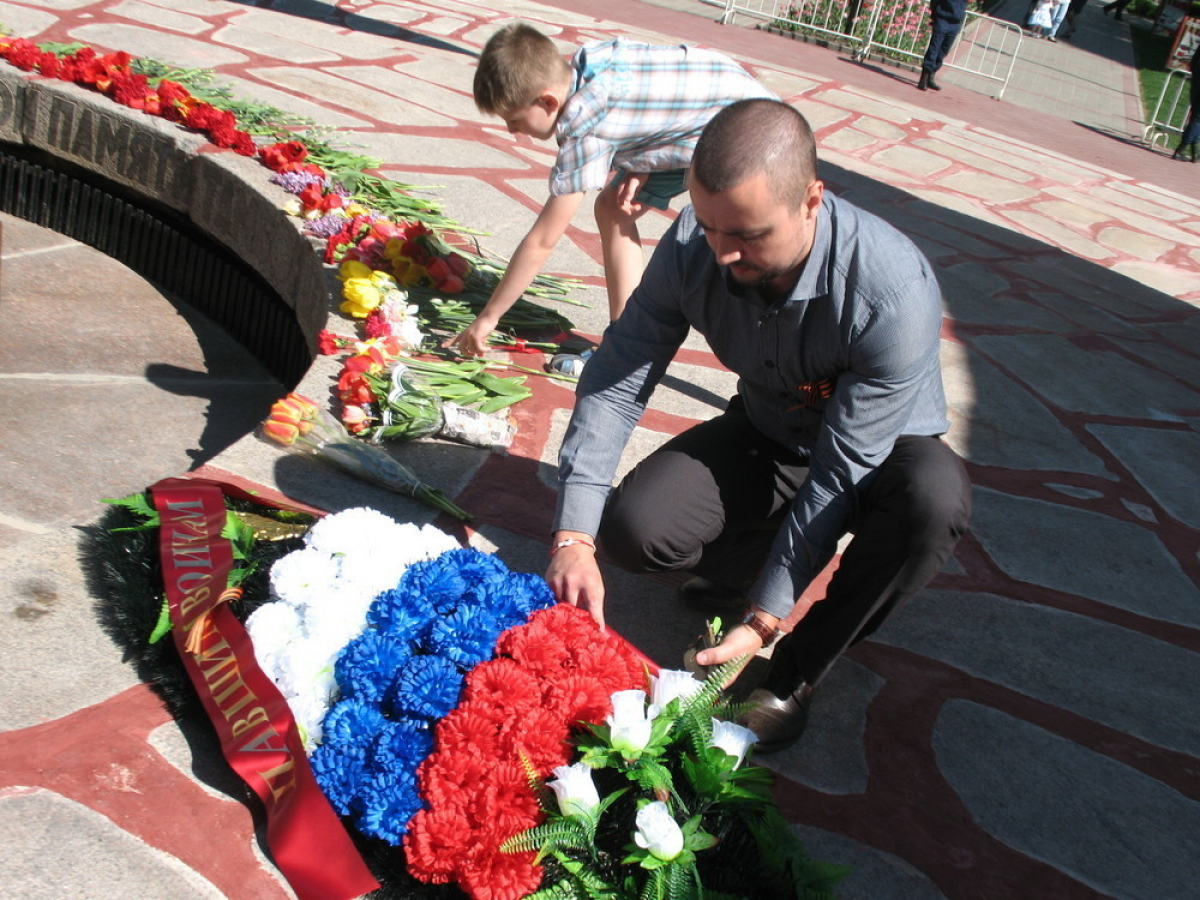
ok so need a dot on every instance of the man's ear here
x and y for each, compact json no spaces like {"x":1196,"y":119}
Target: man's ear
{"x":812,"y":198}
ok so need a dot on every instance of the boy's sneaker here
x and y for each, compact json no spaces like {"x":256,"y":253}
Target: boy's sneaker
{"x":569,"y":363}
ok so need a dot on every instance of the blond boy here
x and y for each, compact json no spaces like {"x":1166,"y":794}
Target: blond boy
{"x":634,"y":108}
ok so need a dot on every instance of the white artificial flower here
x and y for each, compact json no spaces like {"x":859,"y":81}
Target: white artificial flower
{"x":672,"y":683}
{"x":658,"y":832}
{"x":295,"y":576}
{"x":630,"y":723}
{"x":344,"y":531}
{"x":734,"y":739}
{"x":309,"y":713}
{"x":575,"y":790}
{"x":272,"y":629}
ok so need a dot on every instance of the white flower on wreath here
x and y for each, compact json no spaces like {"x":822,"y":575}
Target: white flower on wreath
{"x":575,"y":790}
{"x":734,"y":739}
{"x":630,"y":723}
{"x":658,"y":832}
{"x":669,"y":684}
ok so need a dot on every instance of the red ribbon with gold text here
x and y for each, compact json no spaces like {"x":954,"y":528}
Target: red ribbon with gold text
{"x":258,"y":734}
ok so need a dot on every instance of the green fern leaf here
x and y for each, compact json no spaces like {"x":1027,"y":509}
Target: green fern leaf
{"x":554,"y":834}
{"x":139,"y":505}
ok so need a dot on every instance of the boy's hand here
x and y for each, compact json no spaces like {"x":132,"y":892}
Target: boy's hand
{"x":474,"y":340}
{"x":627,"y":191}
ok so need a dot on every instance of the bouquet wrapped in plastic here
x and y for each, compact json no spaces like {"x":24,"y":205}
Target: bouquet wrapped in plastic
{"x":410,"y":407}
{"x":299,"y":426}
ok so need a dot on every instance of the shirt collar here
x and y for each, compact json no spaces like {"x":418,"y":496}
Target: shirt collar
{"x":814,"y":277}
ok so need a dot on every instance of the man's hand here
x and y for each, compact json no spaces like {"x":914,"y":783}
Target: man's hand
{"x":474,"y":340}
{"x":574,"y":576}
{"x":741,"y":641}
{"x":627,"y":192}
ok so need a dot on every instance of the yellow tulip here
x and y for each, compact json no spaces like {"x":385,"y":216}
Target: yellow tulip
{"x":352,"y":268}
{"x":361,"y":296}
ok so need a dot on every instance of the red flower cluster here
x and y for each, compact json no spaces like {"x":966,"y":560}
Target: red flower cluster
{"x":355,"y":391}
{"x":112,"y":75}
{"x":340,"y":243}
{"x":331,"y":344}
{"x":409,"y":251}
{"x":548,"y":675}
{"x":288,"y":156}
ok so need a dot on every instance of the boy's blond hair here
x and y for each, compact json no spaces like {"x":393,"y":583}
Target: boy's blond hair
{"x":518,"y":63}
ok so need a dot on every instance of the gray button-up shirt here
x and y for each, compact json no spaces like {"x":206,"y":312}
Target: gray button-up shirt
{"x":835,"y":371}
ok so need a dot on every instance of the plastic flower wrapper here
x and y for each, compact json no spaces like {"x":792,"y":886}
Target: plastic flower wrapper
{"x":297,"y":425}
{"x":411,"y":409}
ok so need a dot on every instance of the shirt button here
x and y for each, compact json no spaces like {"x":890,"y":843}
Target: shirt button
{"x":770,"y":363}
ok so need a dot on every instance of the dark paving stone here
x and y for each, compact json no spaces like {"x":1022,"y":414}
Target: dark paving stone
{"x":831,"y":757}
{"x":997,"y":422}
{"x":875,"y":875}
{"x":1084,"y":553}
{"x":1102,"y":823}
{"x":1094,"y":669}
{"x":1164,"y":461}
{"x":1101,"y":383}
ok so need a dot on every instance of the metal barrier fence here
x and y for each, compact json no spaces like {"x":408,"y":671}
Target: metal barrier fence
{"x":896,"y":31}
{"x":1171,"y":111}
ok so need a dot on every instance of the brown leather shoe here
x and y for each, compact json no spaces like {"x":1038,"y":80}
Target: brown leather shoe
{"x":777,"y":723}
{"x":700,"y":593}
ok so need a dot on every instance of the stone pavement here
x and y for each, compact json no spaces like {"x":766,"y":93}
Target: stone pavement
{"x":1025,"y":728}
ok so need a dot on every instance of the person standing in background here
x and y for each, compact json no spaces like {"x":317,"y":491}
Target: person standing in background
{"x":947,"y":19}
{"x":1191,"y":132}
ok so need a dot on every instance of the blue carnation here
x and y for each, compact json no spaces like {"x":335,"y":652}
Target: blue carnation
{"x":531,"y":592}
{"x":352,"y":722}
{"x":427,"y":686}
{"x":483,"y":573}
{"x":404,"y":611}
{"x":518,"y":598}
{"x":467,"y":636}
{"x":367,"y":666}
{"x":390,"y":801}
{"x":441,"y":581}
{"x":401,"y":746}
{"x":340,"y":770}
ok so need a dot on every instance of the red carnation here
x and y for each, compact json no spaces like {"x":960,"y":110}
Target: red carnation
{"x":172,"y":91}
{"x":502,"y":681}
{"x":23,"y":54}
{"x":49,"y":65}
{"x":436,"y":842}
{"x":243,"y":144}
{"x":502,"y":876}
{"x":130,"y":90}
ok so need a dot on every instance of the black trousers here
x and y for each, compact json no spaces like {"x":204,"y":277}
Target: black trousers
{"x":941,"y":39}
{"x":711,"y":500}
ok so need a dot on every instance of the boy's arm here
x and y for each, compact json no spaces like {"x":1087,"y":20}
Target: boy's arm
{"x":532,"y":253}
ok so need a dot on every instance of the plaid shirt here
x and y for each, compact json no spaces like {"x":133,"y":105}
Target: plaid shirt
{"x":640,"y":108}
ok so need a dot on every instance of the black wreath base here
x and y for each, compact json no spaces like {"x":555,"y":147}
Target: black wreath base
{"x":125,"y":576}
